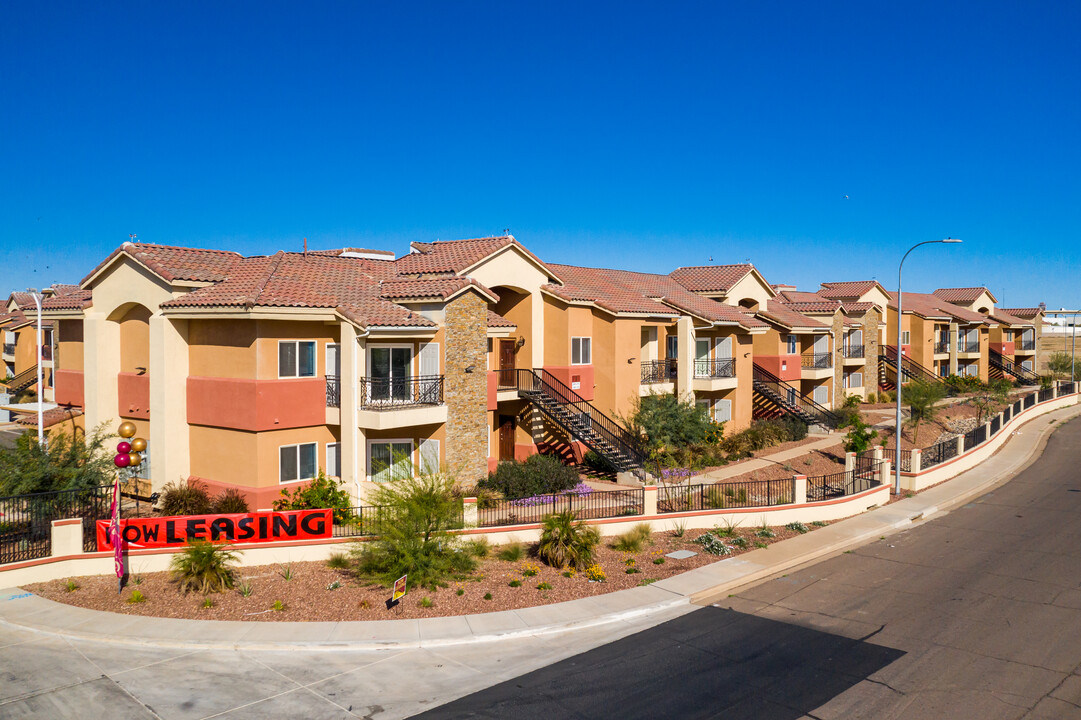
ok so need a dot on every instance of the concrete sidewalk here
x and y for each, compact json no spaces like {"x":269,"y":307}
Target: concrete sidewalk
{"x":765,"y":461}
{"x":26,"y":612}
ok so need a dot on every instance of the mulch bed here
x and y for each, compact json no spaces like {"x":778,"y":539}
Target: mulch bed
{"x":306,"y":596}
{"x":812,"y":464}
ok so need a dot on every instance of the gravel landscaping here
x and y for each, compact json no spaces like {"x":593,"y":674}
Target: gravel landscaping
{"x":310,"y":594}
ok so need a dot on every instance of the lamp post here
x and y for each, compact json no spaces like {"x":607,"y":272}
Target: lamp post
{"x":41,"y":390}
{"x":900,"y":318}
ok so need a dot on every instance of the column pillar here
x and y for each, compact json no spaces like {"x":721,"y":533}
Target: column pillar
{"x":348,"y":409}
{"x":799,"y":489}
{"x":170,"y":453}
{"x":101,"y":364}
{"x":954,"y":337}
{"x":649,"y":506}
{"x":685,"y":365}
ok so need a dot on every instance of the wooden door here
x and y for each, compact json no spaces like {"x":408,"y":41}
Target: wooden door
{"x":506,"y":437}
{"x":506,"y":364}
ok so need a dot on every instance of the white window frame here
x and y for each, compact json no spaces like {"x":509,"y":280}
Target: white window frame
{"x":430,"y":442}
{"x":825,"y":401}
{"x":724,"y":348}
{"x":707,"y":404}
{"x":791,"y":344}
{"x":391,"y":441}
{"x":329,"y":467}
{"x":906,"y":337}
{"x":389,"y":346}
{"x":297,"y":446}
{"x":585,"y":350}
{"x":847,"y":380}
{"x":326,"y":359}
{"x":296,"y":344}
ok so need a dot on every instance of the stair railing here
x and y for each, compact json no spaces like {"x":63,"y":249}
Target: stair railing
{"x":791,"y":397}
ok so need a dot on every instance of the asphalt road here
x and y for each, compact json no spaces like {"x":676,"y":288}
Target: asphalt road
{"x":976,"y":614}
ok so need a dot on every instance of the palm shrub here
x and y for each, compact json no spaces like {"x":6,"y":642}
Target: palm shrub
{"x":565,"y":540}
{"x":413,"y":533}
{"x":231,"y":500}
{"x":205,"y":567}
{"x":922,"y":398}
{"x":185,"y":498}
{"x":537,"y":475}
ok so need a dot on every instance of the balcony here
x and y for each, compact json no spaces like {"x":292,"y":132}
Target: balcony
{"x":334,"y":391}
{"x":969,"y":347}
{"x":9,"y":350}
{"x":396,"y":393}
{"x":719,"y":368}
{"x":817,"y":361}
{"x":853,"y":352}
{"x":1022,"y":346}
{"x":658,"y":371}
{"x":47,"y":352}
{"x":942,"y":348}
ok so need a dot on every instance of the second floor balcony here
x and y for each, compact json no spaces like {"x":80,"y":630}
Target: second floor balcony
{"x":9,"y":349}
{"x":942,"y":347}
{"x":968,"y":346}
{"x":658,"y":371}
{"x":817,"y":361}
{"x":334,"y":391}
{"x":1026,"y":345}
{"x":853,"y":352}
{"x":717,"y":368}
{"x":394,"y":393}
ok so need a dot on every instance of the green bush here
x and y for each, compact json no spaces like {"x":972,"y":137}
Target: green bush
{"x":204,"y":566}
{"x":763,"y":434}
{"x":565,"y":540}
{"x":412,"y":533}
{"x":320,"y":493}
{"x":538,"y":475}
{"x":665,"y":422}
{"x":959,"y":383}
{"x":512,"y":552}
{"x":634,"y":539}
{"x":185,"y":498}
{"x":67,"y":462}
{"x":231,"y":500}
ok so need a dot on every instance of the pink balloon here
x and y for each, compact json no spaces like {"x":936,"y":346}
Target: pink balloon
{"x":123,"y":447}
{"x":122,"y":459}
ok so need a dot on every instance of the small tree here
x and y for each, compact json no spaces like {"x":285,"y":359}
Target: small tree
{"x":922,"y":398}
{"x":988,"y":397}
{"x":67,"y":462}
{"x":1060,"y":364}
{"x":667,"y":422}
{"x":859,"y":437}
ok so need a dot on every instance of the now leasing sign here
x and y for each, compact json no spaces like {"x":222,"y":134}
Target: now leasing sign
{"x":253,"y":527}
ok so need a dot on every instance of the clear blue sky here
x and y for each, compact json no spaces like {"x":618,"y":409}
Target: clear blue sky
{"x":634,"y":135}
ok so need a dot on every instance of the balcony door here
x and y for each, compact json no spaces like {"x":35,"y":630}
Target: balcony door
{"x":391,"y":373}
{"x":701,"y":357}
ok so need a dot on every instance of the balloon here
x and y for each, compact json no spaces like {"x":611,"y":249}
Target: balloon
{"x":138,"y":444}
{"x":123,"y":447}
{"x":122,"y":460}
{"x":127,"y":429}
{"x":134,"y":459}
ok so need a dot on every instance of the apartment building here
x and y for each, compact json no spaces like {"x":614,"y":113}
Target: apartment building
{"x":18,"y":327}
{"x":1013,"y":338}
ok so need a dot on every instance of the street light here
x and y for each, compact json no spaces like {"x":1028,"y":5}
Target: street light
{"x":900,"y":317}
{"x":41,"y":391}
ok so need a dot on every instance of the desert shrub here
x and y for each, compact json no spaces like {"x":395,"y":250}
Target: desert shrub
{"x":338,"y":561}
{"x":412,"y":533}
{"x":666,"y":421}
{"x":565,"y":540}
{"x":922,"y":398}
{"x":712,"y":544}
{"x":66,"y":462}
{"x":322,"y":492}
{"x":185,"y":498}
{"x":231,"y":500}
{"x":763,"y":434}
{"x":511,"y":552}
{"x":204,"y":567}
{"x":958,"y":384}
{"x":478,"y":547}
{"x":634,"y":539}
{"x":871,"y":398}
{"x":538,"y":475}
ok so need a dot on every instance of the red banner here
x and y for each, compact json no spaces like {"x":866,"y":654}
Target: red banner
{"x":253,"y":527}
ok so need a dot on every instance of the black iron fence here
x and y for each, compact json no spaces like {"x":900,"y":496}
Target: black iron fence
{"x":26,"y":520}
{"x":891,"y":455}
{"x":656,"y":371}
{"x":392,"y":393}
{"x":588,"y":506}
{"x":938,"y":453}
{"x":1066,"y":388}
{"x":996,"y":424}
{"x":842,"y":484}
{"x":719,"y":368}
{"x":1030,"y":400}
{"x":334,"y":391}
{"x":818,"y":361}
{"x":975,"y":436}
{"x":1046,"y":394}
{"x":752,"y":493}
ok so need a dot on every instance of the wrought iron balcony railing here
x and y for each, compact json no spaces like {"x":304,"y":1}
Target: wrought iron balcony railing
{"x":1026,"y":345}
{"x":968,"y":347}
{"x":334,"y":391}
{"x":942,"y":347}
{"x":658,"y":371}
{"x":9,"y":348}
{"x":853,"y":351}
{"x":718,"y":368}
{"x":817,"y":361}
{"x":393,"y":393}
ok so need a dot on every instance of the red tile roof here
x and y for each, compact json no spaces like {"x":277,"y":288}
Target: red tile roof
{"x":794,"y":296}
{"x":961,"y":295}
{"x":499,"y":321}
{"x":857,"y":307}
{"x":822,"y":306}
{"x":75,"y":300}
{"x":48,"y":418}
{"x":1028,"y":313}
{"x":846,"y":290}
{"x":1005,"y":318}
{"x":710,"y":278}
{"x":176,"y":263}
{"x":442,"y":287}
{"x":454,"y":256}
{"x":781,"y":314}
{"x":931,"y":306}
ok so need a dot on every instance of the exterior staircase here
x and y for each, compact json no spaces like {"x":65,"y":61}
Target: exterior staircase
{"x":581,"y":420}
{"x":910,"y":369}
{"x":17,"y":383}
{"x":787,"y":399}
{"x":1023,"y":376}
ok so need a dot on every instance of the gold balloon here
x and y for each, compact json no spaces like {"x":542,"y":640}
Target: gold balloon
{"x":127,"y":429}
{"x":134,"y":459}
{"x":138,"y":444}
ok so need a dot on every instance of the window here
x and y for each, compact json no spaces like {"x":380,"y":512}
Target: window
{"x":297,"y":462}
{"x":1027,"y":365}
{"x":390,"y":460}
{"x":906,"y":337}
{"x":724,"y":348}
{"x":705,"y":405}
{"x":944,"y":370}
{"x":853,"y":380}
{"x":296,"y":358}
{"x":333,"y":359}
{"x":581,"y":351}
{"x":793,"y":344}
{"x":701,"y":357}
{"x":391,"y":371}
{"x":791,"y":396}
{"x":722,"y":411}
{"x":672,"y":344}
{"x":429,"y":455}
{"x":821,"y":395}
{"x":334,"y":459}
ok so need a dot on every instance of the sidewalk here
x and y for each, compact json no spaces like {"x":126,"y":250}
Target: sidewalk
{"x":780,"y":458}
{"x":664,"y":599}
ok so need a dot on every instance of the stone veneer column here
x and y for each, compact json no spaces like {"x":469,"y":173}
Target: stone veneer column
{"x":871,"y":320}
{"x":466,"y":393}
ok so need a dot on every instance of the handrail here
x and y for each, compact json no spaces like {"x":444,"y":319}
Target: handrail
{"x":393,"y":393}
{"x":968,"y":347}
{"x":820,"y":361}
{"x":942,"y":347}
{"x":909,"y":367}
{"x":654,"y":371}
{"x":334,"y":391}
{"x":854,"y":351}
{"x":998,"y":361}
{"x":529,"y":382}
{"x":23,"y":380}
{"x":803,"y":403}
{"x":718,"y":368}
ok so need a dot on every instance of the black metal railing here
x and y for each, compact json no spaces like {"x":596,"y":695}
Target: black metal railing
{"x":842,"y":484}
{"x":1024,"y":345}
{"x":589,"y":506}
{"x":891,"y":455}
{"x":818,"y":361}
{"x":996,"y":360}
{"x":853,"y":351}
{"x":910,"y":369}
{"x":942,"y":347}
{"x":1007,"y":414}
{"x":1030,"y":400}
{"x":392,"y":393}
{"x":589,"y":424}
{"x":718,"y":368}
{"x":968,"y":347}
{"x":752,"y":493}
{"x":9,"y":348}
{"x":1046,"y":394}
{"x":657,"y":371}
{"x":26,"y":520}
{"x":360,"y":521}
{"x":334,"y":391}
{"x":975,"y":436}
{"x":789,"y":399}
{"x":996,"y":424}
{"x":938,"y":453}
{"x":1066,"y":388}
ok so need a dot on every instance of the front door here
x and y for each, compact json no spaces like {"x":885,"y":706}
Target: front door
{"x":506,"y":363}
{"x":506,"y":437}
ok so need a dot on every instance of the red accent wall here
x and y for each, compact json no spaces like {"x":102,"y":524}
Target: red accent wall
{"x":133,"y":395}
{"x":69,"y":387}
{"x":567,"y":374}
{"x":259,"y":498}
{"x":493,"y":387}
{"x":772,"y":363}
{"x":254,"y":405}
{"x":1003,"y":348}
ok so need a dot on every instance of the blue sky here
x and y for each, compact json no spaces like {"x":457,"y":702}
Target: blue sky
{"x":635,"y":135}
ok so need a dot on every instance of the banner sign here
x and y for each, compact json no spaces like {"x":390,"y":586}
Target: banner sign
{"x":255,"y":527}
